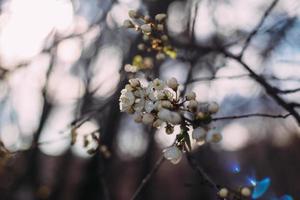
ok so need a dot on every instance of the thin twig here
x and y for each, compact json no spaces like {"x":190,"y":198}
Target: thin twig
{"x":192,"y":30}
{"x":195,"y":165}
{"x":204,"y":79}
{"x":148,"y":177}
{"x":279,"y":91}
{"x":200,"y":79}
{"x":251,"y":115}
{"x":270,"y":90}
{"x":255,"y":30}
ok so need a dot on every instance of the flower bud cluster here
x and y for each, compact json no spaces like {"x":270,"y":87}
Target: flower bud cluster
{"x":139,"y":63}
{"x":155,"y":37}
{"x":154,"y":104}
{"x":159,"y":105}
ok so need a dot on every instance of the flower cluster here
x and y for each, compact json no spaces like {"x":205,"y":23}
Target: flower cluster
{"x":155,"y":39}
{"x":154,"y":104}
{"x":160,"y":105}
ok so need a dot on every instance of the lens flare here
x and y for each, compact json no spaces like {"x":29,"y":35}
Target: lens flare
{"x":236,"y":169}
{"x":251,"y":180}
{"x":260,"y":187}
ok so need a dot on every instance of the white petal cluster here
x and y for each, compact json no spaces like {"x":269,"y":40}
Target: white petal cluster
{"x":153,"y":104}
{"x":157,"y":103}
{"x":131,"y":68}
{"x":173,"y":154}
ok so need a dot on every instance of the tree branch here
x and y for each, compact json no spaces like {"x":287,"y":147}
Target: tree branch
{"x":268,"y":77}
{"x":195,"y":166}
{"x":250,"y":115}
{"x":255,"y":30}
{"x":148,"y":177}
{"x":270,"y":90}
{"x":279,"y":91}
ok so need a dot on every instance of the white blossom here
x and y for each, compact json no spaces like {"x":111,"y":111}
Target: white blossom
{"x":161,"y":95}
{"x":199,"y":115}
{"x":174,"y":118}
{"x":134,"y":82}
{"x":199,"y":134}
{"x":166,"y":104}
{"x":213,"y":107}
{"x":148,"y":118}
{"x":130,"y":68}
{"x":160,"y":17}
{"x":139,"y":93}
{"x":150,"y":92}
{"x":169,"y":95}
{"x":173,"y":154}
{"x":149,"y":106}
{"x":190,"y":96}
{"x":172,"y":83}
{"x":169,"y":116}
{"x":146,"y":28}
{"x":139,"y":105}
{"x":126,"y":100}
{"x":158,"y":84}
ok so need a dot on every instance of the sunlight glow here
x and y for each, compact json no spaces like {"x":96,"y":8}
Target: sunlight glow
{"x":26,"y":26}
{"x":106,"y":71}
{"x":60,"y":117}
{"x":132,"y":141}
{"x":235,"y":136}
{"x":244,"y":86}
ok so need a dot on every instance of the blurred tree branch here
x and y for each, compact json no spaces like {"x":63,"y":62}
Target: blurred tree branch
{"x":255,"y":30}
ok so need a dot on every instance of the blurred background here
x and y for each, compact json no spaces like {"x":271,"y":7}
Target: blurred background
{"x":60,"y":63}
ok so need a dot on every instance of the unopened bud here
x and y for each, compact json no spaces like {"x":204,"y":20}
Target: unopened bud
{"x":146,"y":28}
{"x":160,"y":17}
